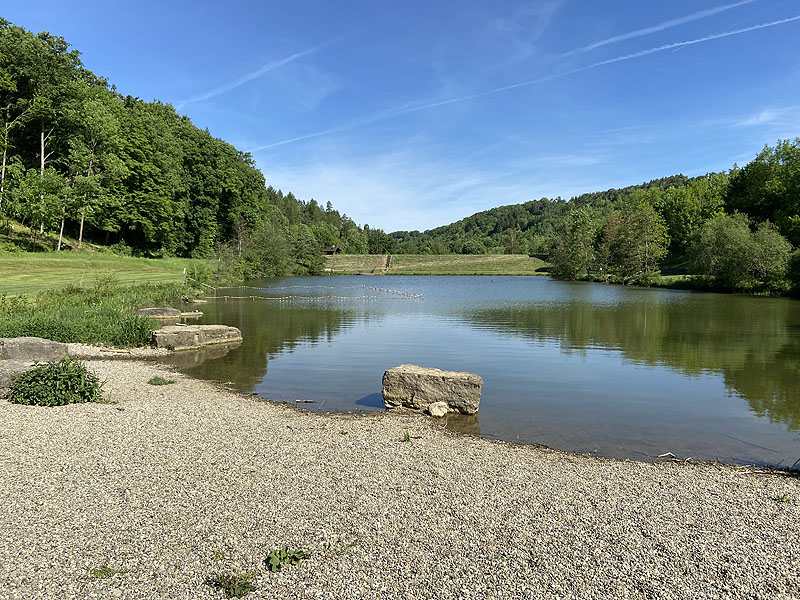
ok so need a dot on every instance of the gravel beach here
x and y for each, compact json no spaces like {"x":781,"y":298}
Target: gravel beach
{"x":169,"y":485}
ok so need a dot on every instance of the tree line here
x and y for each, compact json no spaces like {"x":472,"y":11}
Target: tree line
{"x":738,"y":229}
{"x":81,"y":159}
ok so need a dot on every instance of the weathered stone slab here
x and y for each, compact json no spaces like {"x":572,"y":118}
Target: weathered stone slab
{"x":181,"y":337}
{"x":159,"y":313}
{"x":31,"y":348}
{"x":416,"y":387}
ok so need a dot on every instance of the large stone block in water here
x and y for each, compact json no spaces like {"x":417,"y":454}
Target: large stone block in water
{"x":415,"y":387}
{"x":31,"y":348}
{"x":181,"y":337}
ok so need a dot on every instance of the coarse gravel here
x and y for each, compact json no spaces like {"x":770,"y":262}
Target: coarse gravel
{"x":172,"y":484}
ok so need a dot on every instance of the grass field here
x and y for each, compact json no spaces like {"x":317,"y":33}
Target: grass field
{"x":27,"y":272}
{"x":442,"y":264}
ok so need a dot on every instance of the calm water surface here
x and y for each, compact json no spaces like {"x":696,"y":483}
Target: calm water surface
{"x":615,"y":371}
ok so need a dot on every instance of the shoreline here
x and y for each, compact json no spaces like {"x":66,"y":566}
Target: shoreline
{"x":177,"y":482}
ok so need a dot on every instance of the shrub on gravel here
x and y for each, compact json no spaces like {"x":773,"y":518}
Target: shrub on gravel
{"x":57,"y":383}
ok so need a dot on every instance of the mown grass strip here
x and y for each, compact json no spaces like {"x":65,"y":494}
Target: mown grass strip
{"x":438,"y":264}
{"x":31,"y":272}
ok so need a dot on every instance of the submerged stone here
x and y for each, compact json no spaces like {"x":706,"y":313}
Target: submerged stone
{"x":181,"y":337}
{"x":159,"y":313}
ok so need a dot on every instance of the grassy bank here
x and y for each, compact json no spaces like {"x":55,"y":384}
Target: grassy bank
{"x":441,"y":264}
{"x":102,"y":313}
{"x":30,"y":272}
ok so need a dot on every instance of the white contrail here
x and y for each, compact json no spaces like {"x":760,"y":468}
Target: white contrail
{"x":624,"y":57}
{"x":270,"y":66}
{"x":656,"y":28}
{"x":707,"y":38}
{"x":424,"y":106}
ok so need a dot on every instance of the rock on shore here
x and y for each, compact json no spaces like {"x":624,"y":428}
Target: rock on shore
{"x":31,"y":348}
{"x":433,"y":390}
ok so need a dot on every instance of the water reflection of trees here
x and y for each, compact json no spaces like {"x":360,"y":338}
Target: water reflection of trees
{"x":754,"y":343}
{"x":268,"y":329}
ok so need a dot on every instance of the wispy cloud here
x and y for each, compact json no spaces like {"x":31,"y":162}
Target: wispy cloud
{"x":532,"y":18}
{"x":414,"y":186}
{"x":656,"y":28}
{"x":425,"y":105}
{"x":263,"y":69}
{"x":770,"y":116}
{"x":407,"y":188}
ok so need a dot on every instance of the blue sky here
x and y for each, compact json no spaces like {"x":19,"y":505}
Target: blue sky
{"x":414,"y":114}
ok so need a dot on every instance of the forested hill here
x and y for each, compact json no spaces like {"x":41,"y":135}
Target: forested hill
{"x":517,"y":228}
{"x":80,"y":157}
{"x":739,"y":230}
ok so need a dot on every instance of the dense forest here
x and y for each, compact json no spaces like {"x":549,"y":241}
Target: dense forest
{"x":81,"y":159}
{"x":739,"y":229}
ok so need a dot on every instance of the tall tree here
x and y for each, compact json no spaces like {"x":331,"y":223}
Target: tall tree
{"x":573,"y":252}
{"x":639,"y":242}
{"x":94,"y":146}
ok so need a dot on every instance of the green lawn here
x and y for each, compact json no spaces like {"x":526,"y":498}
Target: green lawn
{"x":441,"y":264}
{"x":27,"y":272}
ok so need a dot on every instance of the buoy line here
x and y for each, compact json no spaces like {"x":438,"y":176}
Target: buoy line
{"x":313,"y":298}
{"x":327,"y":287}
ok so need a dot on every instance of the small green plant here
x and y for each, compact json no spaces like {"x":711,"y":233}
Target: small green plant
{"x":406,"y":435}
{"x":233,"y":585}
{"x":785,"y":499}
{"x":342,"y":432}
{"x":285,"y":556}
{"x":105,"y":571}
{"x":158,"y":380}
{"x":57,"y":383}
{"x":219,"y":554}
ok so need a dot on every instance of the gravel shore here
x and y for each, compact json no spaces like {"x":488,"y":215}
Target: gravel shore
{"x":169,"y":485}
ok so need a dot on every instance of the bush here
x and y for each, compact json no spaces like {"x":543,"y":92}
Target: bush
{"x":121,"y":249}
{"x":57,"y":383}
{"x":725,"y":249}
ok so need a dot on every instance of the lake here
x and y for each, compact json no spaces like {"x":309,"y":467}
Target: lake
{"x":609,"y":370}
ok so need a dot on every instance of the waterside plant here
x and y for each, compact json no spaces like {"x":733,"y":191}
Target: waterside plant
{"x":56,"y":384}
{"x":103,"y":313}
